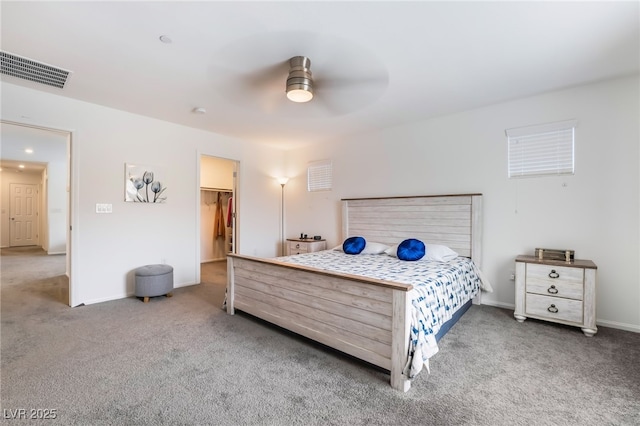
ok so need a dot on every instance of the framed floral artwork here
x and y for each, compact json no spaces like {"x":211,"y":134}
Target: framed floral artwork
{"x":144,"y":184}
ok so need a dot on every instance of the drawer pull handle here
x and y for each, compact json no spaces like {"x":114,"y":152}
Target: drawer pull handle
{"x":554,"y":274}
{"x":552,"y":309}
{"x":297,"y":245}
{"x":552,"y":290}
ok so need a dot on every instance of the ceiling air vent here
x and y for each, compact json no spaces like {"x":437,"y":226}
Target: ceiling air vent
{"x":28,"y":69}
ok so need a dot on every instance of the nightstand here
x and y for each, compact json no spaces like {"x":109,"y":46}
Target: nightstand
{"x":309,"y":245}
{"x":557,"y":291}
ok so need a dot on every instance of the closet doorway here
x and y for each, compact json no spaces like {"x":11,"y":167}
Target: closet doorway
{"x":218,"y":217}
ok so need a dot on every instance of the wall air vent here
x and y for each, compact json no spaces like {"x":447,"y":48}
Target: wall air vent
{"x":28,"y":69}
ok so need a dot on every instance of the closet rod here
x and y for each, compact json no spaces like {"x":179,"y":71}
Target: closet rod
{"x":204,"y":188}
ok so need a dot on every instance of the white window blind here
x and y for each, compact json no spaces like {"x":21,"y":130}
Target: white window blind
{"x":319,"y":176}
{"x":546,"y":149}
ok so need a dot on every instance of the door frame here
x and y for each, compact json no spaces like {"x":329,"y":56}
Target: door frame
{"x":72,"y":203}
{"x":235,"y":232}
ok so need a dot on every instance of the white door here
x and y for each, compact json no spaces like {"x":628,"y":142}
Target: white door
{"x":24,"y":214}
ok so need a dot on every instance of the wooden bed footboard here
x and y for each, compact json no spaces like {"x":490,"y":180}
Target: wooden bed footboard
{"x":366,"y":318}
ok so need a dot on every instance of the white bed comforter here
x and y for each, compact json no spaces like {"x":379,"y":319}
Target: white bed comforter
{"x":439,"y":289}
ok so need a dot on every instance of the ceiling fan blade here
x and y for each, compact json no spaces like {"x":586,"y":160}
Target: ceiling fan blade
{"x":260,"y":89}
{"x":339,"y":83}
{"x":343,"y":95}
{"x":268,"y":76}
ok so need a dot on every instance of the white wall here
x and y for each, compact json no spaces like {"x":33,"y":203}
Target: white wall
{"x":106,"y":248}
{"x":216,"y":173}
{"x":57,"y":206}
{"x":594,"y":212}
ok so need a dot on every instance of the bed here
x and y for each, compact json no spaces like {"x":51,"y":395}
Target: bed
{"x":370,"y":318}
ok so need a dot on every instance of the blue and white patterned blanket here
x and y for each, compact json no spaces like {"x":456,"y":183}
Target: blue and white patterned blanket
{"x":439,"y":289}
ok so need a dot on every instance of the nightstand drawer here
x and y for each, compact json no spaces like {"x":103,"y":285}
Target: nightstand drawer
{"x":305,"y":246}
{"x":551,"y":274}
{"x":556,"y":288}
{"x":554,"y":308}
{"x":297,"y":247}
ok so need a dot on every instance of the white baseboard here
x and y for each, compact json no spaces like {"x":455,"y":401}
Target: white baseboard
{"x":604,"y":323}
{"x":619,"y":325}
{"x":131,"y":294}
{"x":104,"y":299}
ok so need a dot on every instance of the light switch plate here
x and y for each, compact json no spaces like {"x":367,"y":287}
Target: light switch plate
{"x":104,"y":208}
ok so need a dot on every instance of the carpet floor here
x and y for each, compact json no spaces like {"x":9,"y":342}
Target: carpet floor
{"x":184,"y":361}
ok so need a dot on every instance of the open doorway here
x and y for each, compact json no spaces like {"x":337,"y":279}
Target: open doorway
{"x":218,"y":224}
{"x":35,"y":164}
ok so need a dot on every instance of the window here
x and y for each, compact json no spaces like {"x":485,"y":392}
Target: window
{"x":319,"y":176}
{"x":545,"y":149}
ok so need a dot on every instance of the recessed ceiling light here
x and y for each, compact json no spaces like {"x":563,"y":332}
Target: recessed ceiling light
{"x":29,"y":151}
{"x":166,"y":39}
{"x":199,"y":110}
{"x":21,"y":166}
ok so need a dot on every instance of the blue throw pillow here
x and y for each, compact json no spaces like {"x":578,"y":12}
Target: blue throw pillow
{"x":411,"y":249}
{"x":353,"y":245}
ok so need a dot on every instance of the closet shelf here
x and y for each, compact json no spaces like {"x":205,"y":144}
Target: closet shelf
{"x":205,"y":188}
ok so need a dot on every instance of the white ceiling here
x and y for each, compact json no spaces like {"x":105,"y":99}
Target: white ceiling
{"x":375,"y":64}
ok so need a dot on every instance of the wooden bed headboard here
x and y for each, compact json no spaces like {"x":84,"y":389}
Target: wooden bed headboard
{"x":451,"y":220}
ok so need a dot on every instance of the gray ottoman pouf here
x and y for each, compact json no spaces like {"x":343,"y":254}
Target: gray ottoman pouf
{"x":154,"y":280}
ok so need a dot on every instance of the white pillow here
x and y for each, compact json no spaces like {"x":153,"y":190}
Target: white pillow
{"x":369,"y":248}
{"x":439,"y":253}
{"x":436,"y":252}
{"x":392,"y":251}
{"x":374,"y":248}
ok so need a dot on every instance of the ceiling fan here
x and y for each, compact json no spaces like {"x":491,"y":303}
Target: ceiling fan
{"x":345,"y":77}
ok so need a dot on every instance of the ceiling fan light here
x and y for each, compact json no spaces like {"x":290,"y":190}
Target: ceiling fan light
{"x":300,"y":94}
{"x":300,"y":82}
